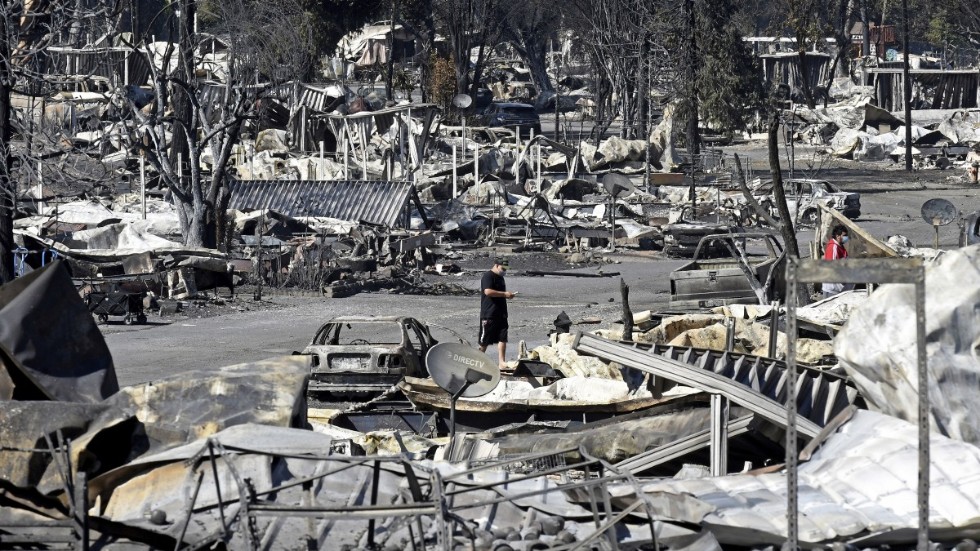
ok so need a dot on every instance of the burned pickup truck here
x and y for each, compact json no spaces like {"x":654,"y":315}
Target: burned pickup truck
{"x":753,"y":272}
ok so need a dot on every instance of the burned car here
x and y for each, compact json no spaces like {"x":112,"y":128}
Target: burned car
{"x":519,"y":116}
{"x":804,"y":196}
{"x":359,"y":356}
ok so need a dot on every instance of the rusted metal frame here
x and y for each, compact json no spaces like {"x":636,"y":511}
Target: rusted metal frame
{"x":245,"y":496}
{"x":443,"y":531}
{"x":76,"y":500}
{"x":607,"y":501}
{"x":695,"y":377}
{"x":416,"y":490}
{"x":217,"y":487}
{"x":536,"y":474}
{"x":457,"y":520}
{"x":375,"y":480}
{"x":594,"y":507}
{"x":304,"y":480}
{"x":650,"y":509}
{"x":343,"y":512}
{"x":523,"y":458}
{"x":360,"y":486}
{"x":221,"y":502}
{"x":64,"y":470}
{"x":576,"y":486}
{"x":607,"y":508}
{"x":864,"y":270}
{"x":190,"y":510}
{"x":610,"y":525}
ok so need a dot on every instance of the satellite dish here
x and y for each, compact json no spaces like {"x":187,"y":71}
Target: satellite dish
{"x":453,"y":365}
{"x":617,"y":184}
{"x":938,"y":212}
{"x":462,"y":101}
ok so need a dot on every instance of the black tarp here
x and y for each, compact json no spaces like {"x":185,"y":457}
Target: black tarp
{"x":50,"y":345}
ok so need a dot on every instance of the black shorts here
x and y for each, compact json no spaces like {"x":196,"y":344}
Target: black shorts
{"x":492,"y":330}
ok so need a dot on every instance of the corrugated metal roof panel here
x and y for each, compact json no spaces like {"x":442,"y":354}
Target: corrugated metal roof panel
{"x":375,"y":202}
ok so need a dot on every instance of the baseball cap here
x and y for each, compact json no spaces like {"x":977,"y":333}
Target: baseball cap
{"x":502,"y":261}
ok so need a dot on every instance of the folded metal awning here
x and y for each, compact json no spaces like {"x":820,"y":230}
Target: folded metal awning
{"x":382,"y":203}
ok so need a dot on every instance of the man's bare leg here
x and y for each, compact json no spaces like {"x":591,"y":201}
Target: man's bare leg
{"x":502,"y":353}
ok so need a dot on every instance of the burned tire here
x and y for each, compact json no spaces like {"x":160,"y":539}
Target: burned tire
{"x":141,"y":319}
{"x":103,"y":318}
{"x":128,"y":320}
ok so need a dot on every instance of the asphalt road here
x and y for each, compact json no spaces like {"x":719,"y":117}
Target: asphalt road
{"x":281,"y":325}
{"x":284,"y":324}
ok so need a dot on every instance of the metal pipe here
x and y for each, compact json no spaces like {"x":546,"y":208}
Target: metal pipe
{"x":924,"y":428}
{"x":774,"y":331}
{"x":455,"y":176}
{"x":143,"y":184}
{"x":719,"y":435}
{"x":792,"y":448}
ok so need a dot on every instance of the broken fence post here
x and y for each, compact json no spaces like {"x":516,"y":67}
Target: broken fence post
{"x":624,"y":290}
{"x":455,"y":176}
{"x":729,"y":334}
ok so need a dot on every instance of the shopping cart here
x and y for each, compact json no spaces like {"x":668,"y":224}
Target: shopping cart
{"x":117,"y":303}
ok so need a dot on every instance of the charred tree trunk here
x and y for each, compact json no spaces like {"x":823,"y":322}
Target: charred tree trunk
{"x":624,"y":290}
{"x":8,"y":187}
{"x":218,"y":194}
{"x":779,"y":194}
{"x":532,"y":50}
{"x":804,"y":75}
{"x":184,"y":150}
{"x":906,"y":86}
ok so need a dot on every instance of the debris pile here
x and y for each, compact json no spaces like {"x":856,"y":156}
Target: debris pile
{"x":591,"y":438}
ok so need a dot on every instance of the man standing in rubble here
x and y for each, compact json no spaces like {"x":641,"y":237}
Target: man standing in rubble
{"x":835,"y":251}
{"x":493,"y":309}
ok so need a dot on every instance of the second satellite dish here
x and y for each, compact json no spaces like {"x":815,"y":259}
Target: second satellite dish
{"x":938,"y":212}
{"x":462,"y":101}
{"x":453,"y":365}
{"x":617,"y":184}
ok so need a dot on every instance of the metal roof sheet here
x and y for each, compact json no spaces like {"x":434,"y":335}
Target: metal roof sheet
{"x":374,"y":202}
{"x":861,"y":482}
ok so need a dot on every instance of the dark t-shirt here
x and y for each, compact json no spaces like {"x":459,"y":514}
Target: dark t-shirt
{"x":492,"y":307}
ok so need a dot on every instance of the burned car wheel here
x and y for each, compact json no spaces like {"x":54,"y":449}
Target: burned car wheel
{"x":810,"y":217}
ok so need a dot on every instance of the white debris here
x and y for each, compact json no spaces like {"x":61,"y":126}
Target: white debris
{"x":877,"y":347}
